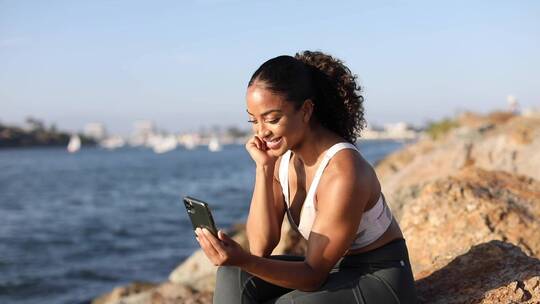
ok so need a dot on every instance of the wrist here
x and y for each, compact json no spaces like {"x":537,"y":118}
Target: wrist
{"x":246,"y":261}
{"x":267,"y":169}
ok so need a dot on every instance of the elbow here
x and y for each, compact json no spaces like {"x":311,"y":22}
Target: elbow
{"x":260,"y":252}
{"x":261,"y":248}
{"x":313,"y":285}
{"x":315,"y":280}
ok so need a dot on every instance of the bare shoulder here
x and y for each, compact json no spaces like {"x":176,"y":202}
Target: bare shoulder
{"x":350,"y":174}
{"x":349,"y":164}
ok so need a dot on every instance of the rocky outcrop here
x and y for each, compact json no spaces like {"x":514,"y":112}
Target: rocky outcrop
{"x":145,"y":293}
{"x":480,"y":184}
{"x":452,"y":214}
{"x":496,"y":142}
{"x":493,"y":272}
{"x":123,"y":292}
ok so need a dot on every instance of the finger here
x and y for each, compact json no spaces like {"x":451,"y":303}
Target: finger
{"x":224,"y":237}
{"x":262,"y":144}
{"x":207,"y":246}
{"x":264,"y":147}
{"x":252,"y":144}
{"x":218,"y":247}
{"x":258,"y":142}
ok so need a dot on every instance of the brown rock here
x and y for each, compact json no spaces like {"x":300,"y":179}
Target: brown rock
{"x":451,"y":215}
{"x":508,"y":143}
{"x":171,"y":293}
{"x":395,"y":162}
{"x":119,"y":293}
{"x":493,"y":272}
{"x":165,"y":293}
{"x":474,"y":120}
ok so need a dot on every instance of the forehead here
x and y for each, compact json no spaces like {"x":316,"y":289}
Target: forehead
{"x":260,"y":100}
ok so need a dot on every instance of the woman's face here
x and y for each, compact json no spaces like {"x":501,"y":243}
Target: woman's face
{"x":275,"y":120}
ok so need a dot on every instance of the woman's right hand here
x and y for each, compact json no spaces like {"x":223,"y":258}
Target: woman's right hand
{"x":260,"y":152}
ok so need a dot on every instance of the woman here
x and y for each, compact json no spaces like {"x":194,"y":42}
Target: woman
{"x":306,"y":113}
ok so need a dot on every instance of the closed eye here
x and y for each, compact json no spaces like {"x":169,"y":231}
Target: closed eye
{"x":273,"y":121}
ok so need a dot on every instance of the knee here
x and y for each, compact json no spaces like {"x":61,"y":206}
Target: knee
{"x":228,"y":278}
{"x":228,"y":289}
{"x":227,"y":273}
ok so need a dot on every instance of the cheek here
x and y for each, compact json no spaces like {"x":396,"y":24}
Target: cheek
{"x":279,"y":129}
{"x":295,"y":137}
{"x":293,"y":128}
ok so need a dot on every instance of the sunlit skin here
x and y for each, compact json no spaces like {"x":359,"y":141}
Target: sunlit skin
{"x":347,"y":188}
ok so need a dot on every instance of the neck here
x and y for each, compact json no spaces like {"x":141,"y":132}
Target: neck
{"x":315,"y":143}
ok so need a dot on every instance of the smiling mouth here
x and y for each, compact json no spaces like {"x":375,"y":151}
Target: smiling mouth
{"x":274,"y":143}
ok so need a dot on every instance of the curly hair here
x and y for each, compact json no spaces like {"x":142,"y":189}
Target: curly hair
{"x":325,"y":80}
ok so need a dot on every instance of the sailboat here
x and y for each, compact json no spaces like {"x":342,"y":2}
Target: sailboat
{"x":74,"y":144}
{"x":165,"y":144}
{"x":214,"y":145}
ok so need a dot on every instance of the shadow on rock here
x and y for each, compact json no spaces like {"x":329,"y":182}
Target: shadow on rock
{"x":493,"y":272}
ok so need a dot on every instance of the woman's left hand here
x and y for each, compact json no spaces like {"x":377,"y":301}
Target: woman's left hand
{"x":222,"y":251}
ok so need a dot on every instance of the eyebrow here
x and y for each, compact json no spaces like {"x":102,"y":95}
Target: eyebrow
{"x":267,"y":112}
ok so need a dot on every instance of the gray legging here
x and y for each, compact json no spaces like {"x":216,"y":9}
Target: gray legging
{"x":382,"y":275}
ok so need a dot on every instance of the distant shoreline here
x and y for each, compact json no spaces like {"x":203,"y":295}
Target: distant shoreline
{"x":36,"y":134}
{"x":93,"y":145}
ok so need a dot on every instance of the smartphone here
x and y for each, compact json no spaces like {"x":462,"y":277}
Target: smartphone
{"x":200,"y":214}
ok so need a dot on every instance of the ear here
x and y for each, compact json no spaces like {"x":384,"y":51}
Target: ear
{"x":307,"y":110}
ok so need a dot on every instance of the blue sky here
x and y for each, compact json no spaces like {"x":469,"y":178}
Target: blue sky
{"x":185,"y":64}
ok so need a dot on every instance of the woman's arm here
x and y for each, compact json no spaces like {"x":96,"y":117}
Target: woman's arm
{"x":340,"y":206}
{"x":263,"y":227}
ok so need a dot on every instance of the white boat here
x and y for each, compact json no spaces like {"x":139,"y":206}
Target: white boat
{"x":165,"y":144}
{"x":189,"y":142}
{"x":74,"y":144}
{"x":214,"y":145}
{"x":113,"y":142}
{"x":190,"y":145}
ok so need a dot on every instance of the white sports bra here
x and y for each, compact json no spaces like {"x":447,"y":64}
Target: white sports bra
{"x":374,"y":222}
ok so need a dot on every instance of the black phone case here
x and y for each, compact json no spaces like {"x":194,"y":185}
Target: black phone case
{"x":200,"y":214}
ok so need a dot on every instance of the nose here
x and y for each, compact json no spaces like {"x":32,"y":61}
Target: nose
{"x":262,"y":131}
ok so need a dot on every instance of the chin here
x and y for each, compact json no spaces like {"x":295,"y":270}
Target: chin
{"x":279,"y":152}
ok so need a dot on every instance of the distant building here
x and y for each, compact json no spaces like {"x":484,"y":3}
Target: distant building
{"x":144,"y":127}
{"x":95,"y":130}
{"x":400,"y":130}
{"x":190,"y":140}
{"x":143,"y":131}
